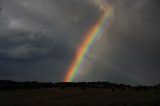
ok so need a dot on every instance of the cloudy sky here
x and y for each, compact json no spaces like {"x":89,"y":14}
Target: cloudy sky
{"x":39,"y":38}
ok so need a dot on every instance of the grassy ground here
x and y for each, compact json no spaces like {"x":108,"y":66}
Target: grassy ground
{"x":79,"y":97}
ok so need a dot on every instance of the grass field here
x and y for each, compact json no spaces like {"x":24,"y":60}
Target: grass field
{"x":78,"y":97}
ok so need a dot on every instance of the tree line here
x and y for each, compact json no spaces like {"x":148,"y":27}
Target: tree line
{"x":27,"y":85}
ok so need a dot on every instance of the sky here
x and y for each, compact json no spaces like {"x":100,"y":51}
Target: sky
{"x":39,"y":39}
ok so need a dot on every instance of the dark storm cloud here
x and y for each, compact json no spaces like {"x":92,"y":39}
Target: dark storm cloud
{"x":132,"y":44}
{"x":28,"y":45}
{"x":38,"y":39}
{"x":29,"y":30}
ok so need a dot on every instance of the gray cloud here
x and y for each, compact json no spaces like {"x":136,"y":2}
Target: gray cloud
{"x":130,"y":47}
{"x":38,"y":40}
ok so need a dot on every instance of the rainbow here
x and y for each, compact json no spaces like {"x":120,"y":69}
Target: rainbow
{"x":96,"y":31}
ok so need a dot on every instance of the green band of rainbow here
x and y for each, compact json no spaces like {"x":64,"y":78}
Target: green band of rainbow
{"x":96,"y":31}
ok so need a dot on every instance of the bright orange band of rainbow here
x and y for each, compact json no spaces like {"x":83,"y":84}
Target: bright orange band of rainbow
{"x":97,"y":30}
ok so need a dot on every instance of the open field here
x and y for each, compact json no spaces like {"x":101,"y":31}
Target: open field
{"x":75,"y":96}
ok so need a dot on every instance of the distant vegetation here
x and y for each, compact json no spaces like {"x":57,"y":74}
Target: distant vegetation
{"x":13,"y":85}
{"x":34,"y":93}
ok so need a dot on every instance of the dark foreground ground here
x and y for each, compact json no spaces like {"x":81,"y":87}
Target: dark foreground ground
{"x":77,"y":96}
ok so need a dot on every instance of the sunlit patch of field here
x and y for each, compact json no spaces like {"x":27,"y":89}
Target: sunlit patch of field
{"x":79,"y":97}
